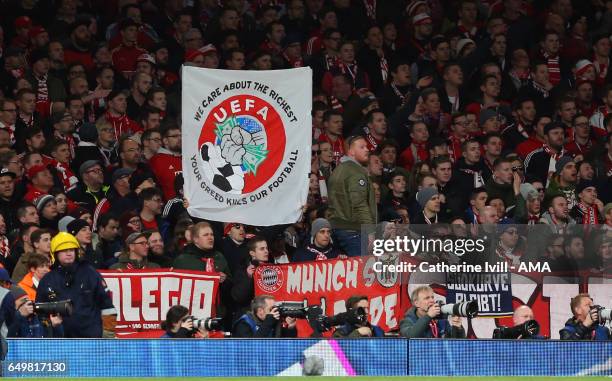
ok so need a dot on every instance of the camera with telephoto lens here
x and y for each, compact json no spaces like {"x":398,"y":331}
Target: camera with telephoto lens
{"x":209,"y":324}
{"x":292,"y":309}
{"x":604,"y":314}
{"x":62,"y":307}
{"x":527,"y":330}
{"x":354,"y":316}
{"x":463,"y":309}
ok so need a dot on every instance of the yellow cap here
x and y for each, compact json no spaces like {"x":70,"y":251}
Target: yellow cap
{"x":63,"y":241}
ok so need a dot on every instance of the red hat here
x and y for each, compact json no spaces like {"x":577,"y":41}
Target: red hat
{"x":36,"y":30}
{"x":146,"y":57}
{"x":23,"y":22}
{"x":412,"y":7}
{"x":208,"y":49}
{"x":420,"y":19}
{"x":191,"y":54}
{"x":228,"y":228}
{"x":35,"y":170}
{"x":582,"y":66}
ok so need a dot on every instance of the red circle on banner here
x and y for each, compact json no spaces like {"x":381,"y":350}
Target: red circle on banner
{"x":269,"y":278}
{"x":256,"y":116}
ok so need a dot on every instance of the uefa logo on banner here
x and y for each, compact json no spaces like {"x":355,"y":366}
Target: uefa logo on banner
{"x":246,"y":144}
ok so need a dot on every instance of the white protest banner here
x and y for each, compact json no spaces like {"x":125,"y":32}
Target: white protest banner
{"x":246,"y":144}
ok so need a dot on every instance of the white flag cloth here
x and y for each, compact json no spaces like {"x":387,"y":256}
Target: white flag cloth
{"x":247,"y":137}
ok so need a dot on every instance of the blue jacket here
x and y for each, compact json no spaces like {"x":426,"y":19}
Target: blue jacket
{"x":574,"y":330}
{"x":32,"y":327}
{"x":82,"y":284}
{"x":414,"y":327}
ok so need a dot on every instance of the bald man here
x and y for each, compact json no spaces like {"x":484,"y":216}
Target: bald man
{"x":522,"y":314}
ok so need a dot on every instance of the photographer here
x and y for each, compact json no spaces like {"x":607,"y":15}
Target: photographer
{"x":524,"y":326}
{"x":29,"y":324}
{"x":179,"y":325}
{"x":423,"y":319}
{"x":364,"y":329}
{"x":264,"y":320}
{"x":584,"y":325}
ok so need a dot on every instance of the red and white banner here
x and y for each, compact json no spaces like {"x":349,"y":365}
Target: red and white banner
{"x":143,"y":297}
{"x":330,"y":283}
{"x":246,"y":144}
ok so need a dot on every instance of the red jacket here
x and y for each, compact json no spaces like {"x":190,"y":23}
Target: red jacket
{"x":33,"y":193}
{"x":165,"y":166}
{"x":124,"y":58}
{"x":123,"y":125}
{"x":528,"y":146}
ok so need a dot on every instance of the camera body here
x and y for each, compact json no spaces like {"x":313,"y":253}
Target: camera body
{"x":292,"y":309}
{"x":604,"y":314}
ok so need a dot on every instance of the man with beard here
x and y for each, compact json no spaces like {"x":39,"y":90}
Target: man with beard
{"x":141,"y":84}
{"x":564,"y":181}
{"x":541,"y":162}
{"x":557,"y":216}
{"x":79,"y":47}
{"x":320,"y":247}
{"x":167,"y":162}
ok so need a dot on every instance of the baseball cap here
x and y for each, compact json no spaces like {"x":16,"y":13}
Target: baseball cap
{"x":7,"y":172}
{"x":121,"y":173}
{"x":23,"y":22}
{"x":146,"y":57}
{"x":133,"y":237}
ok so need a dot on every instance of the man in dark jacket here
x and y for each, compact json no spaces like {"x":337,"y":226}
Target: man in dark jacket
{"x":365,"y":329}
{"x":470,"y":171}
{"x":320,"y":247}
{"x":584,"y":325}
{"x":423,"y":319}
{"x":542,"y":161}
{"x":263,"y":321}
{"x":504,"y":184}
{"x":91,"y":189}
{"x":76,"y":280}
{"x":200,"y":256}
{"x":243,"y":289}
{"x":136,"y":255}
{"x":234,"y":245}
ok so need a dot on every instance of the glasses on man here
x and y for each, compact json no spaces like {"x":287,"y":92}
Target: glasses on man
{"x":237,"y":226}
{"x":141,"y":243}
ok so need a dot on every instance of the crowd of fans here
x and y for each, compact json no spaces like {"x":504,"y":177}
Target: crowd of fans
{"x":424,"y":112}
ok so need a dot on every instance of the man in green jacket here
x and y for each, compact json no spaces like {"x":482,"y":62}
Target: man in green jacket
{"x":351,"y":197}
{"x":200,"y":255}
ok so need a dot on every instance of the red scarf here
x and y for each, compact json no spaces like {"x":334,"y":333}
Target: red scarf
{"x":555,"y":156}
{"x":589,"y":214}
{"x":454,"y":148}
{"x":554,"y":69}
{"x":533,"y":219}
{"x":372,"y":142}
